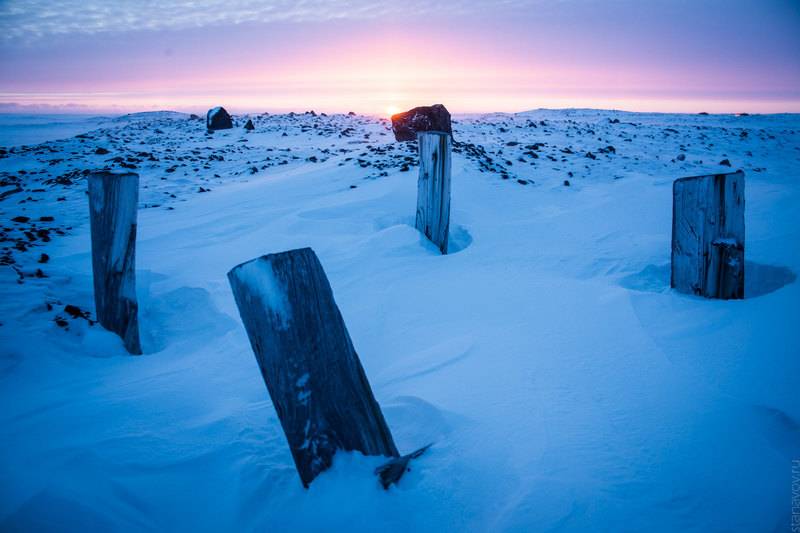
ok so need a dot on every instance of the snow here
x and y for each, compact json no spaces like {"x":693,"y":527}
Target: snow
{"x":563,"y":384}
{"x":259,"y":276}
{"x":19,"y":129}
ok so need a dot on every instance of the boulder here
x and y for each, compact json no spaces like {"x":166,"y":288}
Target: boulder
{"x":427,"y":118}
{"x":249,"y":125}
{"x":218,"y":119}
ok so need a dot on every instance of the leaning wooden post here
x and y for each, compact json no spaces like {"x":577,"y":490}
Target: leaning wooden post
{"x":433,"y":187}
{"x":708,"y":235}
{"x":113,"y":202}
{"x":307,"y":360}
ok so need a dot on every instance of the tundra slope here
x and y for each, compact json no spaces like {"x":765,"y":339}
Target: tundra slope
{"x":565,"y":386}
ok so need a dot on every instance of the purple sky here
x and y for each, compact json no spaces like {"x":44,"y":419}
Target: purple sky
{"x":473,"y":56}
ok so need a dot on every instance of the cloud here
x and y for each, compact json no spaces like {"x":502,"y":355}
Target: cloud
{"x":31,"y":20}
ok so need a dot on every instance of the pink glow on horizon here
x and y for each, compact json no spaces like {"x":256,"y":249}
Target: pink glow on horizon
{"x":476,"y":65}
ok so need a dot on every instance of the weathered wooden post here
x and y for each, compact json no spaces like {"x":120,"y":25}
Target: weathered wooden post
{"x":433,"y":187}
{"x":307,"y":360}
{"x":708,"y":235}
{"x":113,"y":203}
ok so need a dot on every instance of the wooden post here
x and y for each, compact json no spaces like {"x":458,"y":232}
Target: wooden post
{"x":708,"y":235}
{"x":307,"y":360}
{"x":433,"y":187}
{"x":113,"y":203}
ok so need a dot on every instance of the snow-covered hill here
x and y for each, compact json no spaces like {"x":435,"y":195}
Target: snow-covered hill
{"x":564,"y":385}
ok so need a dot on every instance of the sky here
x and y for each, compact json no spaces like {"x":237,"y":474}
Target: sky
{"x":109,"y":56}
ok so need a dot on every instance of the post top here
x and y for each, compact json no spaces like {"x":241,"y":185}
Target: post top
{"x":740,"y":171}
{"x":306,"y":251}
{"x":105,"y":174}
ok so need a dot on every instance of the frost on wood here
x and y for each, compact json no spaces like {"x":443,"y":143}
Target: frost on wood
{"x":708,"y":235}
{"x":307,"y":360}
{"x":433,"y":187}
{"x":113,"y":201}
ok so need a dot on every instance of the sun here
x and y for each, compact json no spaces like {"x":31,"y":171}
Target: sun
{"x":392,"y":110}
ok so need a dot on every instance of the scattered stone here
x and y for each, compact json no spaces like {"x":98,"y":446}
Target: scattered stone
{"x":725,"y":163}
{"x":44,"y":258}
{"x":681,"y":157}
{"x":249,"y":125}
{"x":101,"y":151}
{"x":566,"y":183}
{"x":76,"y":312}
{"x":21,"y":219}
{"x":73,"y":310}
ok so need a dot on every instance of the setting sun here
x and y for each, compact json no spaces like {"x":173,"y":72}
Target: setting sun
{"x":392,"y":110}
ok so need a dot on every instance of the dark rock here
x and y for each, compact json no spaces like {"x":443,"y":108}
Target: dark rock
{"x":74,"y":311}
{"x":725,"y":163}
{"x":218,"y":119}
{"x":428,"y":118}
{"x":46,"y":219}
{"x":681,"y":157}
{"x":44,"y":258}
{"x":101,"y":151}
{"x":20,"y":219}
{"x":566,"y":183}
{"x":249,"y":125}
